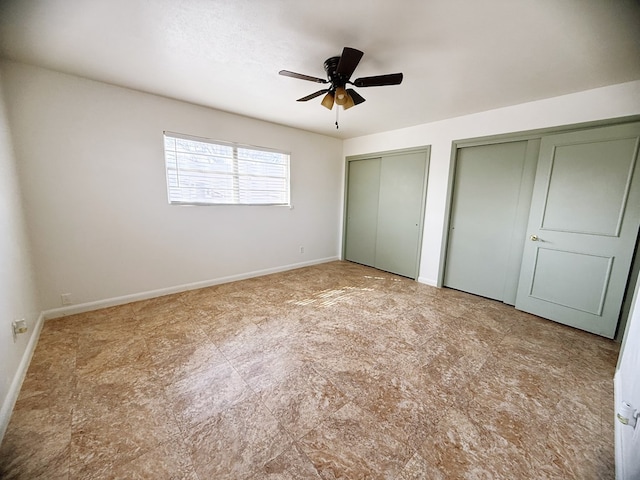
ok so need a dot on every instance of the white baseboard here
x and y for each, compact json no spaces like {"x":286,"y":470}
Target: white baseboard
{"x":428,"y":281}
{"x":18,"y":378}
{"x":111,"y":302}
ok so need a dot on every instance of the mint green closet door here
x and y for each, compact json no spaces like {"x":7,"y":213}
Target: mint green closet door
{"x":489,"y":212}
{"x":402,"y":188}
{"x":583,"y":226}
{"x":362,"y":211}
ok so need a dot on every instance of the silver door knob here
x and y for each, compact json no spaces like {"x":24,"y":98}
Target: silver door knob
{"x":533,"y":238}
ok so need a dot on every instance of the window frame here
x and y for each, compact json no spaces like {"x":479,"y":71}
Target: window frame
{"x":235,"y":174}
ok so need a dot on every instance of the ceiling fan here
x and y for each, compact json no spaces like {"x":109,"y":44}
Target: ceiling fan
{"x":339,"y":71}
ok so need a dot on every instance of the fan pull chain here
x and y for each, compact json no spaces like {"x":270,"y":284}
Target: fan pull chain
{"x":337,"y":110}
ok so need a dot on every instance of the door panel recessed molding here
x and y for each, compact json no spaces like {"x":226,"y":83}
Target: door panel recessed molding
{"x":588,"y":186}
{"x":574,"y":280}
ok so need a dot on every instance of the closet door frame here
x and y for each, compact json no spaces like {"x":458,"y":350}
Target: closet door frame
{"x":514,"y":137}
{"x":426,"y":149}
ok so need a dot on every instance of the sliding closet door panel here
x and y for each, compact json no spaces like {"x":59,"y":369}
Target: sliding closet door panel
{"x":362,"y":211}
{"x":402,"y":190}
{"x":484,"y":212}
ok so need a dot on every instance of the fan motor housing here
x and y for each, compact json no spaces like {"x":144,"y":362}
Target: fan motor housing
{"x":336,"y":79}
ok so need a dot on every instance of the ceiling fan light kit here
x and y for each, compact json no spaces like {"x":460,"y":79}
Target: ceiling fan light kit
{"x":349,"y":103}
{"x":341,"y":96}
{"x":327,"y":101}
{"x":339,"y":71}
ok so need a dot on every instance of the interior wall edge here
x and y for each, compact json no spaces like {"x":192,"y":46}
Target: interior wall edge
{"x":18,"y":300}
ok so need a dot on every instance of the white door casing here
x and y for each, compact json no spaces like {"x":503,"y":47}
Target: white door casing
{"x":627,"y":389}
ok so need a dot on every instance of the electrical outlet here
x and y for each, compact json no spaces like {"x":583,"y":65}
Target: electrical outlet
{"x":301,"y":249}
{"x":18,"y":327}
{"x":66,"y":299}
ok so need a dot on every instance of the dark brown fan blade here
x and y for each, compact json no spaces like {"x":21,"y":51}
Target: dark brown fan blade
{"x":348,"y":61}
{"x":379,"y":80}
{"x":300,"y":76}
{"x":313,"y":95}
{"x":357,"y":99}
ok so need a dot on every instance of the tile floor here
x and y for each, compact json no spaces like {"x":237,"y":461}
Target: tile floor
{"x":335,"y":371}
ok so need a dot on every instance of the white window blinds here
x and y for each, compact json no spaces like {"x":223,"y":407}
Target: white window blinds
{"x":206,"y":172}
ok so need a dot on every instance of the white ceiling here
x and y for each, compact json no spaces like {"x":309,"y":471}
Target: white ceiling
{"x":457,"y":56}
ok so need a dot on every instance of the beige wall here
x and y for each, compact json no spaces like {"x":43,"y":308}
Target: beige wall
{"x":17,"y":286}
{"x":92,"y":169}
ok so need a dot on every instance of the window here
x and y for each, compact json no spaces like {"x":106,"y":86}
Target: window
{"x":205,"y":172}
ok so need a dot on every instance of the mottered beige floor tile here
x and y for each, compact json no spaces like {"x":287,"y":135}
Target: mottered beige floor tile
{"x":325,"y":372}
